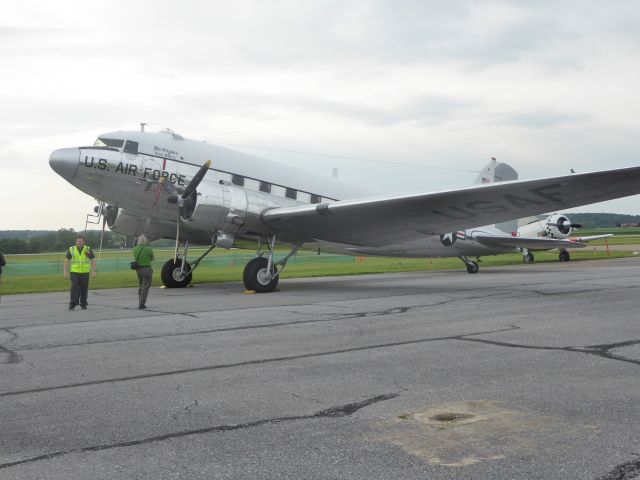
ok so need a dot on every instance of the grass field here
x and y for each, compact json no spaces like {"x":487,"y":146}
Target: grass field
{"x":43,"y":273}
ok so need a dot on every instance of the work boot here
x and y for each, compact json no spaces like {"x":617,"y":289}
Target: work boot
{"x":71,"y":306}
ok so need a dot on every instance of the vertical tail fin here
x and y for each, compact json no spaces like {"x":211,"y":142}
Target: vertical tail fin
{"x":496,"y":172}
{"x":499,"y":172}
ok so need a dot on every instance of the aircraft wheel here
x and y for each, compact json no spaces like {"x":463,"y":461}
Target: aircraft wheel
{"x":528,"y":258}
{"x":172,"y":276}
{"x":255,"y":276}
{"x":472,"y":267}
{"x":564,"y":256}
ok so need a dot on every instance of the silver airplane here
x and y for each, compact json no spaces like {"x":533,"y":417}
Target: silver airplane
{"x":167,"y":186}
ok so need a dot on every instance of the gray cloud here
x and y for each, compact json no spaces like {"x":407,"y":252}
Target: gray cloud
{"x":421,"y":108}
{"x":544,"y":119}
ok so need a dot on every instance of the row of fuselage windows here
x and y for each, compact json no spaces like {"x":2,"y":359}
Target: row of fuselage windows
{"x":239,"y":180}
{"x":277,"y":190}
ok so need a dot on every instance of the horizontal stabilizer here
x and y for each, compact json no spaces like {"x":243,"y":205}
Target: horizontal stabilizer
{"x":526,"y":242}
{"x":592,"y":237}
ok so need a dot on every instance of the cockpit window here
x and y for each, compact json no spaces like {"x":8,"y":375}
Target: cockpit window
{"x":108,"y":142}
{"x":131,"y":147}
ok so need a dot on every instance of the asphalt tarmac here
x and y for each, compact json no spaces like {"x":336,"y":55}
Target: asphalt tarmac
{"x":521,"y":372}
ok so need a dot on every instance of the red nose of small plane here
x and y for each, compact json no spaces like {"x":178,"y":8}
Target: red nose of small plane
{"x":64,"y":162}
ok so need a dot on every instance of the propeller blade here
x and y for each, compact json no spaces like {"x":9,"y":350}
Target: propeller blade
{"x":179,"y":201}
{"x":571,"y":225}
{"x":195,"y":181}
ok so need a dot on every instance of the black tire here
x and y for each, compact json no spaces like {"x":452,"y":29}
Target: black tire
{"x":528,"y":258}
{"x":170,"y":274}
{"x":564,"y":256}
{"x":253,"y":276}
{"x":472,"y":267}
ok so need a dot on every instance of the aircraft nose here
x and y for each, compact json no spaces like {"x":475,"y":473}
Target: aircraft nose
{"x":64,"y":162}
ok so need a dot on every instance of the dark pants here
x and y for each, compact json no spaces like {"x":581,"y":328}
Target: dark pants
{"x":145,"y":274}
{"x":79,"y":288}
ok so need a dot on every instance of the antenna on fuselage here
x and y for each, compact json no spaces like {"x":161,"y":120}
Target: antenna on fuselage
{"x":142,"y":125}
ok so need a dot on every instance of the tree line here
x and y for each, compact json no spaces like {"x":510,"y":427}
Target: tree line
{"x":602,"y":220}
{"x":61,"y":240}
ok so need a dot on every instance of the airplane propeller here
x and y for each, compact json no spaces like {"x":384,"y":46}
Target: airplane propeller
{"x":562,"y":224}
{"x":185,"y":197}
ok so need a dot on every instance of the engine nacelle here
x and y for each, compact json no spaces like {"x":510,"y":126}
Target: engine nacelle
{"x":554,"y":226}
{"x":212,"y":209}
{"x":128,"y":224}
{"x":227,"y":208}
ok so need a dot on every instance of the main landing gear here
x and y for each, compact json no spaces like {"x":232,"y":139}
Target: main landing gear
{"x":472,"y":267}
{"x":527,"y":256}
{"x":564,"y":255}
{"x":177,"y":272}
{"x":261,"y":274}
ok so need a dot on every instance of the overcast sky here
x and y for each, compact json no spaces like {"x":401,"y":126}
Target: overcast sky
{"x":545,"y":86}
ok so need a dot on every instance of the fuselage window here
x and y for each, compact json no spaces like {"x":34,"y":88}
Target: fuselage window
{"x":131,"y":147}
{"x":265,"y":187}
{"x":291,"y":193}
{"x":315,"y":198}
{"x":108,"y":142}
{"x":237,"y":180}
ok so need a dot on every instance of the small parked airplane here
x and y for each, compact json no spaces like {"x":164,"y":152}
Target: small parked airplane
{"x":555,"y":227}
{"x":166,"y":186}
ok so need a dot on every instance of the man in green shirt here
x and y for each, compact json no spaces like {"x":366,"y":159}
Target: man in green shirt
{"x":143,"y":254}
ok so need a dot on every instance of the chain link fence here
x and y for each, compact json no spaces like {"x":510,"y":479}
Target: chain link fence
{"x":107,"y":264}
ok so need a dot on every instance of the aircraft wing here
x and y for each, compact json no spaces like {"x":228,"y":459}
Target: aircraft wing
{"x":385,"y":220}
{"x":526,"y":242}
{"x":592,"y":237}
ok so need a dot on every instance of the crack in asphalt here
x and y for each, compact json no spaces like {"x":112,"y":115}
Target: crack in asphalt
{"x":397,"y":310}
{"x":349,"y":316}
{"x":185,"y":314}
{"x":235,"y":310}
{"x":571,"y":292}
{"x":186,"y":409}
{"x":626,"y":471}
{"x":332,"y":412}
{"x":253,"y":362}
{"x":13,"y":334}
{"x":598,"y":350}
{"x":221,"y":312}
{"x":12,"y":357}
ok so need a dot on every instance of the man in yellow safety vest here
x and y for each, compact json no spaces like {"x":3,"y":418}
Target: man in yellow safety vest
{"x":80,"y":261}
